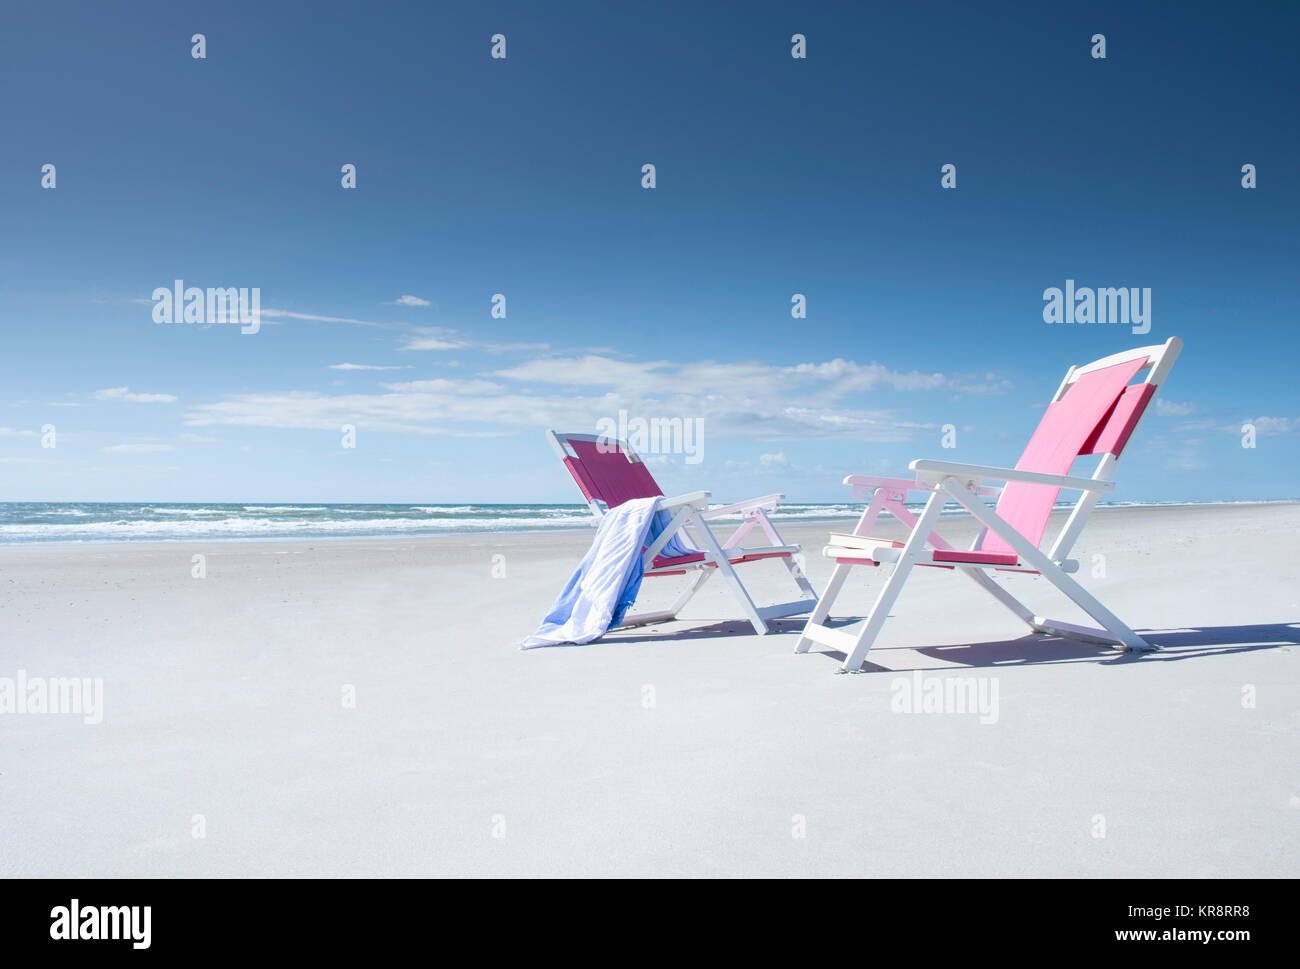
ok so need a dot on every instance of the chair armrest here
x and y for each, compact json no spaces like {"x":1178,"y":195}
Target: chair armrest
{"x":936,"y":471}
{"x":865,"y":486}
{"x":766,"y":503}
{"x":700,"y":499}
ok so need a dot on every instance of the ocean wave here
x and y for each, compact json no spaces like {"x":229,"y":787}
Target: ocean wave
{"x":155,"y":510}
{"x":38,"y":522}
{"x":247,"y":527}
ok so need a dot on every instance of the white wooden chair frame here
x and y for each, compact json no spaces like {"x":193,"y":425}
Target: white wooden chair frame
{"x":945,"y":481}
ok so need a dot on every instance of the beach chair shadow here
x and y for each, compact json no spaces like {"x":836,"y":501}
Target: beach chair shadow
{"x":1173,"y":645}
{"x":674,"y":632}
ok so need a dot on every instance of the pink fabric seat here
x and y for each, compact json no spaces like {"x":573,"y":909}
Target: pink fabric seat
{"x":683,"y":560}
{"x":939,"y":558}
{"x":982,"y":557}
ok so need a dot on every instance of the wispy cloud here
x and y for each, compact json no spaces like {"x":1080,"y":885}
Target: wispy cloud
{"x":408,"y":300}
{"x":316,"y":318}
{"x":131,"y":468}
{"x":437,"y":338}
{"x":15,"y":432}
{"x":1168,"y":408}
{"x":1273,"y":426}
{"x":433,"y":339}
{"x":366,"y":366}
{"x":837,"y":399}
{"x":125,"y":394}
{"x":136,"y":448}
{"x":831,"y":380}
{"x":271,"y":314}
{"x":1264,"y":426}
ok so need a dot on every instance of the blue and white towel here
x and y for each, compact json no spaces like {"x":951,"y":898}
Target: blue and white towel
{"x":604,"y":586}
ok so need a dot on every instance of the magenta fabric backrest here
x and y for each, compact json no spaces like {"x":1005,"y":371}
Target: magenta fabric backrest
{"x":1095,"y":414}
{"x":604,"y":473}
{"x":1113,"y":433}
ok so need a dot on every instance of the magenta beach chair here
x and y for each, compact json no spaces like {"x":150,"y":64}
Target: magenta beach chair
{"x":609,"y":473}
{"x":1094,"y":412}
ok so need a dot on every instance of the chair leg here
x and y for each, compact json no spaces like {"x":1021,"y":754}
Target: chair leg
{"x":1085,"y":600}
{"x":1049,"y":570}
{"x":800,"y":579}
{"x":714,"y":551}
{"x":823,"y":607}
{"x":885,"y":601}
{"x":870,"y":629}
{"x":693,"y":586}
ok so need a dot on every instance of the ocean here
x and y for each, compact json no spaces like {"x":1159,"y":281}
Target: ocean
{"x":43,"y":522}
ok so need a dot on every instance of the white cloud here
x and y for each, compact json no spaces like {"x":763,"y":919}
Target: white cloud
{"x":314,"y":318}
{"x":1272,"y":426}
{"x":432,"y":343}
{"x":838,"y":399}
{"x":826,"y":381}
{"x":1188,"y":460}
{"x":442,"y":385}
{"x":1264,"y":426}
{"x":132,"y":468}
{"x":409,"y":300}
{"x":777,"y":460}
{"x":1168,"y":408}
{"x":15,"y":432}
{"x":124,"y":393}
{"x":591,"y":371}
{"x":136,"y":448}
{"x":437,"y":338}
{"x":366,"y":366}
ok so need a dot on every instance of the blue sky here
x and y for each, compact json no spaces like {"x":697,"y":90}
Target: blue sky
{"x":522,"y":176}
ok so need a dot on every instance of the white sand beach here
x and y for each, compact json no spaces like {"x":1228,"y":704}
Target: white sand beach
{"x":694,"y":748}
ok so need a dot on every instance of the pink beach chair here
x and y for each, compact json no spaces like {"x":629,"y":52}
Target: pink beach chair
{"x":609,"y":473}
{"x":1094,"y":412}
